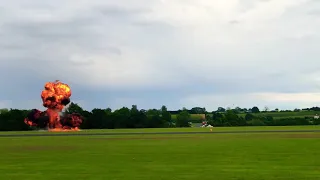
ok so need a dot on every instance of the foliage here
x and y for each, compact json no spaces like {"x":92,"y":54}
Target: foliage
{"x":183,"y":119}
{"x":12,"y":119}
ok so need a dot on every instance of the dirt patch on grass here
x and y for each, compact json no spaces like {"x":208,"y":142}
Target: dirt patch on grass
{"x":41,"y":148}
{"x":217,"y":137}
{"x":298,"y":136}
{"x":149,"y":138}
{"x":282,"y":135}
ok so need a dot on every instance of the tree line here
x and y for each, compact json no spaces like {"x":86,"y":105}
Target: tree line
{"x":12,"y":120}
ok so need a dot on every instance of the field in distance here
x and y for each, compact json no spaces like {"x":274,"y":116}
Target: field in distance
{"x":275,"y":115}
{"x":267,"y":156}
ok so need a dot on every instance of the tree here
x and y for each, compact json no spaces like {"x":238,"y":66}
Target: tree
{"x":237,"y":110}
{"x":257,"y":122}
{"x":154,"y":118}
{"x":138,"y":118}
{"x":255,"y":109}
{"x":198,"y":110}
{"x":232,"y":119}
{"x":183,"y":118}
{"x":166,"y":116}
{"x":268,"y":120}
{"x":217,"y":119}
{"x":221,"y":109}
{"x":100,"y":119}
{"x":4,"y":110}
{"x":249,"y":117}
{"x":134,"y":117}
{"x":12,"y":119}
{"x":120,"y":117}
{"x":74,"y":108}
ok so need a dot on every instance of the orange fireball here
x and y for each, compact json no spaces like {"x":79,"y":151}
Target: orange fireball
{"x":56,"y":95}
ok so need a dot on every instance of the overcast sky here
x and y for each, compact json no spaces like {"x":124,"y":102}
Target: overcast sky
{"x":178,"y":53}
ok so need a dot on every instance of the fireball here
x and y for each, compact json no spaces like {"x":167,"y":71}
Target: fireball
{"x":55,"y":96}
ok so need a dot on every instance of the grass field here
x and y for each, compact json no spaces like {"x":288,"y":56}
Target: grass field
{"x":195,"y":129}
{"x":278,"y":115}
{"x":275,"y":115}
{"x":247,"y":156}
{"x":194,"y":117}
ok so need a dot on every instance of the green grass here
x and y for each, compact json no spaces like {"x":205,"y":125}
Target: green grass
{"x":267,"y":156}
{"x":195,"y":129}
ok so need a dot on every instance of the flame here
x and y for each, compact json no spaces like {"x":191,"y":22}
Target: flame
{"x":55,"y":96}
{"x":69,"y":122}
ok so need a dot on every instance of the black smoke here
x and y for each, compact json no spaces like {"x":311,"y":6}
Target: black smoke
{"x":40,"y":120}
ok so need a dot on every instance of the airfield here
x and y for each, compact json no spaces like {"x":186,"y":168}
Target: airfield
{"x":226,"y":153}
{"x":92,"y":133}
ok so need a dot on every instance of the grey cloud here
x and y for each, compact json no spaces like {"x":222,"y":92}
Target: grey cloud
{"x":27,"y":36}
{"x":40,"y":49}
{"x":314,"y":12}
{"x":114,"y":50}
{"x":70,"y":28}
{"x":246,"y":5}
{"x":6,"y":46}
{"x":30,"y":39}
{"x":53,"y":31}
{"x":154,"y":27}
{"x":234,"y":22}
{"x":28,"y":47}
{"x":315,"y":1}
{"x":120,"y":12}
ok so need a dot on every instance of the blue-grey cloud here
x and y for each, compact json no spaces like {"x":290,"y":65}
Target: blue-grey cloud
{"x":150,"y":53}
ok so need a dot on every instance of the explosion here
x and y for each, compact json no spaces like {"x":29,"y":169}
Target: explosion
{"x":55,"y":96}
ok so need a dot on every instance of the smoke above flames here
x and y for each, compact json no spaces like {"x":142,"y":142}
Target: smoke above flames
{"x":55,"y":97}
